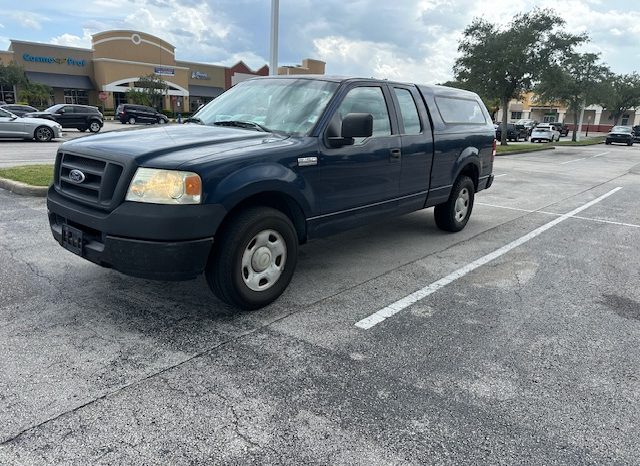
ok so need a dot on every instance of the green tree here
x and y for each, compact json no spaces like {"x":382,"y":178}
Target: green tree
{"x":36,"y":94}
{"x":504,"y":62}
{"x":152,"y":87}
{"x":622,"y":93}
{"x":12,"y":75}
{"x":135,"y":96}
{"x":576,"y":82}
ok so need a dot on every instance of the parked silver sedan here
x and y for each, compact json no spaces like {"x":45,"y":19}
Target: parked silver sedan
{"x":13,"y":126}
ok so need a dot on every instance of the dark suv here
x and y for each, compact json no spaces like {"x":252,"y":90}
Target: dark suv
{"x":81,"y":117}
{"x":132,"y":114}
{"x":636,"y":133}
{"x":561,"y":127}
{"x":514,"y":132}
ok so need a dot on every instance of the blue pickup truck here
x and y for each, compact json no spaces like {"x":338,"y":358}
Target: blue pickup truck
{"x":268,"y":165}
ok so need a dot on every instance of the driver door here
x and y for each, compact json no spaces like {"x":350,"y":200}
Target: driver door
{"x":11,"y":126}
{"x":359,"y":181}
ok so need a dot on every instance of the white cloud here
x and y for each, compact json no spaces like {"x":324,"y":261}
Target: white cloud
{"x":28,"y":19}
{"x":70,"y":40}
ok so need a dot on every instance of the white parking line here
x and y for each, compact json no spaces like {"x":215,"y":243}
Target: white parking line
{"x":503,"y":174}
{"x":394,"y":308}
{"x":598,"y":155}
{"x":591,"y":219}
{"x":571,"y":161}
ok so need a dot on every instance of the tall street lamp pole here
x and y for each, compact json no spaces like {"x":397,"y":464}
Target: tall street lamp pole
{"x":273,"y":57}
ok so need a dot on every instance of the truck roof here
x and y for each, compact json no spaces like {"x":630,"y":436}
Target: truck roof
{"x":431,"y":89}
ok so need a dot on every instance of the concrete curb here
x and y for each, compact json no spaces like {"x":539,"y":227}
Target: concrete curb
{"x":23,"y":189}
{"x":524,"y":151}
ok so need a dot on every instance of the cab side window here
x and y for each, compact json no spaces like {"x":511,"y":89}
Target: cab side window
{"x":368,"y":99}
{"x":408,"y":111}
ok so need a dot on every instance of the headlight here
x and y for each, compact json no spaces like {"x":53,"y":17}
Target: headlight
{"x":165,"y":187}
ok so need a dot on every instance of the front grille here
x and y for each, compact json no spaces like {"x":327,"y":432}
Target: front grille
{"x":100,"y":179}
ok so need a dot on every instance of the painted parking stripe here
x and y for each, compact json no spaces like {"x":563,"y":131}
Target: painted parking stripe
{"x":571,"y":161}
{"x":598,"y":155}
{"x":394,"y":308}
{"x":591,"y":219}
{"x":503,"y":174}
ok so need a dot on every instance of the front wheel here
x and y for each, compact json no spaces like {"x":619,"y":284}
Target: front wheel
{"x":94,"y":126}
{"x":43,"y":134}
{"x":254,"y":259}
{"x":454,"y":214}
{"x":161,"y":121}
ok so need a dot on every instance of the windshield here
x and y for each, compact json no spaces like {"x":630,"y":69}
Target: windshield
{"x":54,"y":108}
{"x":290,"y":106}
{"x":621,"y":129}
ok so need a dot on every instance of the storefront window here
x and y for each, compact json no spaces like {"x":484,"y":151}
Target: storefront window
{"x":75,"y":96}
{"x":7,"y":94}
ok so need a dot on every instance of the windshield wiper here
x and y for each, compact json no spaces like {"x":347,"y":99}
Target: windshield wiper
{"x":242,"y":124}
{"x":194,"y":120}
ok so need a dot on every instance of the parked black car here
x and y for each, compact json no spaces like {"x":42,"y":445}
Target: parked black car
{"x":514,"y":132}
{"x":561,"y":127}
{"x":132,"y":114}
{"x":636,"y":133}
{"x":19,"y":110}
{"x":81,"y":117}
{"x":621,"y":134}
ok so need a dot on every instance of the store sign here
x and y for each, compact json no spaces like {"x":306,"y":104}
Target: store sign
{"x":164,"y":71}
{"x":54,"y":60}
{"x":199,"y":75}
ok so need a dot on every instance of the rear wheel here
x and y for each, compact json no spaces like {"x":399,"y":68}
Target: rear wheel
{"x":254,"y":260}
{"x":43,"y":134}
{"x":132,"y":120}
{"x":161,"y":121}
{"x":454,"y":214}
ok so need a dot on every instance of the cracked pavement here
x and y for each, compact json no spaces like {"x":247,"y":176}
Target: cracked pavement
{"x":532,"y":358}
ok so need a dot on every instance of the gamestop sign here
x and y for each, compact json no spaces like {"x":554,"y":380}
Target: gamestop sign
{"x":54,"y":60}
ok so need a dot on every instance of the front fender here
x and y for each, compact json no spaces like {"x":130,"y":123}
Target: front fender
{"x":263,"y":177}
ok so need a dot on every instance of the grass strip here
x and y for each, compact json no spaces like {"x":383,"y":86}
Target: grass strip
{"x":34,"y":175}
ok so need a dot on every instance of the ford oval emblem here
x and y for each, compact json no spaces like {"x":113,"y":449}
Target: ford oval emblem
{"x":76,"y":176}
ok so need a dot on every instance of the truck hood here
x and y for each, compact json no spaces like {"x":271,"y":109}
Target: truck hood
{"x":168,"y":146}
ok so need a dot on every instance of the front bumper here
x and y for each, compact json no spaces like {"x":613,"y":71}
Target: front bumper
{"x":57,"y":132}
{"x":141,"y":240}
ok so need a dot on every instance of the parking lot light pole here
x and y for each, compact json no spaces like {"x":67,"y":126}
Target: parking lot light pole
{"x":273,"y":57}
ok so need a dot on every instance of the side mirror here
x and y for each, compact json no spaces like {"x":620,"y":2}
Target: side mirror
{"x":357,"y":125}
{"x":60,"y":112}
{"x":354,"y":125}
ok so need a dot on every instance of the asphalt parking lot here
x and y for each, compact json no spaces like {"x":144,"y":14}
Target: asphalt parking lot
{"x":523,"y":349}
{"x":20,"y":152}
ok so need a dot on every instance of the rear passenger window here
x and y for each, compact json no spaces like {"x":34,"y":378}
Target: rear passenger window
{"x":368,"y":100}
{"x":408,"y":111}
{"x":455,"y":110}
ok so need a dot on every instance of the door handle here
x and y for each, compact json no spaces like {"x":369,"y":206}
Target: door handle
{"x":396,"y":154}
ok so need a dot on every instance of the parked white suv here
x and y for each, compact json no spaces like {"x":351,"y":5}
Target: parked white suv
{"x":545,"y":132}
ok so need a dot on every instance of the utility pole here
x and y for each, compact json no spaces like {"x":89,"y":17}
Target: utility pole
{"x":581,"y":120}
{"x":273,"y":57}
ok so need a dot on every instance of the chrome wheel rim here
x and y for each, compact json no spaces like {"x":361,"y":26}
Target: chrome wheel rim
{"x":132,"y":121}
{"x":43,"y":134}
{"x":462,"y":204}
{"x":94,"y":127}
{"x":263,"y":260}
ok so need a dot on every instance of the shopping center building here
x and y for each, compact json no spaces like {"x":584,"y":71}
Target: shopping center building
{"x":117,"y":59}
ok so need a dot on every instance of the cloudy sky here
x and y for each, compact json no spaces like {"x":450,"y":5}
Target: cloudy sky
{"x":413,"y":40}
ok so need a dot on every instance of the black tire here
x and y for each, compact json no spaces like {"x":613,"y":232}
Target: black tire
{"x":131,"y":120}
{"x":162,"y":121}
{"x":607,"y":142}
{"x":94,"y":126}
{"x":447,"y":214}
{"x":630,"y":143}
{"x":226,"y":275}
{"x":43,"y":134}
